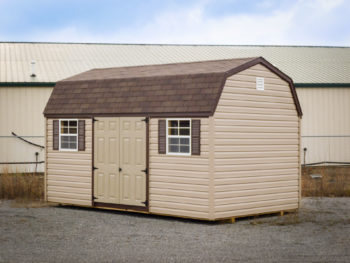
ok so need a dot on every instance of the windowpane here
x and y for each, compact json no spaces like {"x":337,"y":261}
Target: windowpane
{"x":173,"y":124}
{"x":184,"y":149}
{"x":72,"y":123}
{"x":184,"y":123}
{"x":173,"y":148}
{"x":64,"y":123}
{"x":184,"y":131}
{"x":64,"y":139}
{"x":173,"y":131}
{"x":72,"y":145}
{"x":185,"y":141}
{"x":174,"y":140}
{"x":64,"y":145}
{"x":73,"y":130}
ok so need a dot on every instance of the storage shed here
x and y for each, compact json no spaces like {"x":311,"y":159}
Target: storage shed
{"x":207,"y":140}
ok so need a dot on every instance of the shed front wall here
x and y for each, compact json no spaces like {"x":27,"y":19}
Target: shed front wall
{"x":179,"y":185}
{"x":256,"y":144}
{"x":68,"y":173}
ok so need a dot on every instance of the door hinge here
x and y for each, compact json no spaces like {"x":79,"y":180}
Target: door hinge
{"x":93,"y":120}
{"x":120,"y":169}
{"x":145,"y":171}
{"x":145,"y":203}
{"x":93,"y":198}
{"x":146,"y":119}
{"x":94,"y":168}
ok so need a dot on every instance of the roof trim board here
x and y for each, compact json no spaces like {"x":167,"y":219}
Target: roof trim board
{"x":322,"y":85}
{"x":27,"y":84}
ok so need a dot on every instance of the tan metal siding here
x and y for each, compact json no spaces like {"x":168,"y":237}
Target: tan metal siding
{"x":179,"y":185}
{"x":68,"y":174}
{"x":255,"y":146}
{"x":21,"y":112}
{"x":325,"y":124}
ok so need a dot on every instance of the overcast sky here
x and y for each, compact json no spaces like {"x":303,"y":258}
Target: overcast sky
{"x":278,"y":22}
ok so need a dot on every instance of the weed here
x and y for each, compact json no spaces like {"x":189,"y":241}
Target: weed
{"x":21,"y":186}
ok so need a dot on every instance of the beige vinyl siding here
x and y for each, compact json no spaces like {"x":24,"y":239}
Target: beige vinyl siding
{"x":179,"y":185}
{"x":255,"y":146}
{"x":68,"y":173}
{"x":325,"y":124}
{"x":21,"y":112}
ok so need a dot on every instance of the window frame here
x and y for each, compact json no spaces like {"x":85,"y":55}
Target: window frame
{"x":68,"y":134}
{"x":178,"y":136}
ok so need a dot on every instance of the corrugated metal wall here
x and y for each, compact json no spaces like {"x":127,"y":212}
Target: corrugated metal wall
{"x":21,"y":112}
{"x":325,"y":128}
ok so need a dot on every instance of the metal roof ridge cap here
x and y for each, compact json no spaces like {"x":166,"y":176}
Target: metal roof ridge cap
{"x":171,"y":44}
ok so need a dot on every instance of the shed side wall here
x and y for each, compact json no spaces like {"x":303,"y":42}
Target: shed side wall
{"x":68,"y":174}
{"x":255,"y":146}
{"x":179,"y":185}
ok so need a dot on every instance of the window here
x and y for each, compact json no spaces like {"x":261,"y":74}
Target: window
{"x":69,"y":135}
{"x":179,"y":136}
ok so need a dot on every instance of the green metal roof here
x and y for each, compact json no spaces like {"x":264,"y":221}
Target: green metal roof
{"x":319,"y":66}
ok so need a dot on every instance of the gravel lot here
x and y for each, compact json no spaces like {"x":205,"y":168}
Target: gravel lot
{"x":319,"y":233}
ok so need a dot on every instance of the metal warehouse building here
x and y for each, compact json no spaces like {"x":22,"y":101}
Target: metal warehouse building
{"x":28,"y":72}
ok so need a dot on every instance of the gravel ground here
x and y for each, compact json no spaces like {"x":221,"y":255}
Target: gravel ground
{"x":320,"y":232}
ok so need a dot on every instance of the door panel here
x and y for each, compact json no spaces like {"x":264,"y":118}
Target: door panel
{"x":133,"y":161}
{"x":120,"y":143}
{"x":106,"y":160}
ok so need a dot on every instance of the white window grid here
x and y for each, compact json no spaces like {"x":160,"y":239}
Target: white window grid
{"x":178,"y":136}
{"x":68,"y":134}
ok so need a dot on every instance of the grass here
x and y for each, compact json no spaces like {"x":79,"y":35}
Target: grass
{"x":335,"y":181}
{"x":22,"y":187}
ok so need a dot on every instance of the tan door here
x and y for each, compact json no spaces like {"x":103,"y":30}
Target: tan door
{"x":106,"y":160}
{"x":133,"y":161}
{"x":120,"y":159}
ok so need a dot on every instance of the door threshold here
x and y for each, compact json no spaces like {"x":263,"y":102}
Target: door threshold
{"x":121,"y":207}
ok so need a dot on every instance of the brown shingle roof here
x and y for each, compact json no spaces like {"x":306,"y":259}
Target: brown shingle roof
{"x":172,"y":89}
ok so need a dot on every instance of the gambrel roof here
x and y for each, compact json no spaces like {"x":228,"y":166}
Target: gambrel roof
{"x":180,"y":89}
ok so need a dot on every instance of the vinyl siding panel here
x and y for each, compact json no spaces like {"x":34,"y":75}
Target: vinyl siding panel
{"x":179,"y":185}
{"x":68,"y":174}
{"x":255,"y":144}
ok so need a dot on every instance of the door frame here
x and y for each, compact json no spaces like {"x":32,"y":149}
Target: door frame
{"x":120,"y":206}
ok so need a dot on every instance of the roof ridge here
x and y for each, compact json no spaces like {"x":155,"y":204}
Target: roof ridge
{"x":177,"y":63}
{"x":172,"y":44}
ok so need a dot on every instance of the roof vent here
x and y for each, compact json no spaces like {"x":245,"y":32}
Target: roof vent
{"x":33,"y":68}
{"x":260,"y":85}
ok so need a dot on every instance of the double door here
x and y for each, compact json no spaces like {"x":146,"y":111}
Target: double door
{"x":120,"y":161}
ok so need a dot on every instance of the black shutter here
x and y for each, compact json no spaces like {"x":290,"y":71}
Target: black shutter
{"x":56,"y":134}
{"x":81,"y":135}
{"x":161,"y":136}
{"x":196,"y":137}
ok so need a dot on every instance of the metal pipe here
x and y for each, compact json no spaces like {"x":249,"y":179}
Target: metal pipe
{"x":34,"y":144}
{"x":22,"y":162}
